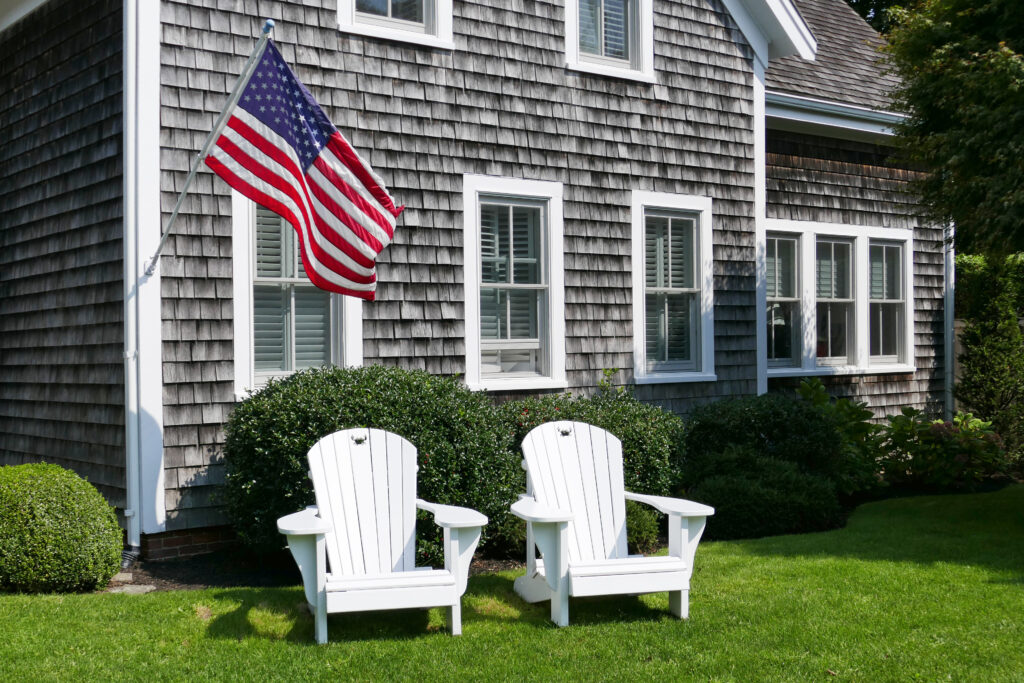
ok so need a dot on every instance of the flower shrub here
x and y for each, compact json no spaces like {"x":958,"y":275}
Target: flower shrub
{"x":57,"y":533}
{"x":935,"y":455}
{"x":463,"y":458}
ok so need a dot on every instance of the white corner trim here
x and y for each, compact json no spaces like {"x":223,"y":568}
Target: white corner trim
{"x":643,"y":72}
{"x":702,"y":206}
{"x":817,"y":113}
{"x":774,"y":28}
{"x":760,"y":232}
{"x":14,"y":11}
{"x":861,"y":236}
{"x":472,"y":187}
{"x":440,"y":36}
{"x":143,"y":222}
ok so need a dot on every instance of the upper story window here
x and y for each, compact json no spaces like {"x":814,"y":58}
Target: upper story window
{"x":611,"y":38}
{"x":888,"y":307}
{"x":515,"y":320}
{"x":837,"y":299}
{"x":424,"y":22}
{"x":782,"y":273}
{"x":282,"y":322}
{"x":673,"y":318}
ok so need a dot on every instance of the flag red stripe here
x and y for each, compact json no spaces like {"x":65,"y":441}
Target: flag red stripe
{"x":333,"y":207}
{"x":353,"y":196}
{"x":339,"y":145}
{"x":277,"y":207}
{"x":301,"y":179}
{"x":274,"y":180}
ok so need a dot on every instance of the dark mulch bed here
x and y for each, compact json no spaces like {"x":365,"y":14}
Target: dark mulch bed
{"x":232,"y":568}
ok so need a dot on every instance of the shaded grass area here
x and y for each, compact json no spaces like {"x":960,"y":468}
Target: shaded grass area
{"x":923,"y":588}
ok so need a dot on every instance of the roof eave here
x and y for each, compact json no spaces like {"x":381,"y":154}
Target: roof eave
{"x":837,"y":119}
{"x":774,"y":28}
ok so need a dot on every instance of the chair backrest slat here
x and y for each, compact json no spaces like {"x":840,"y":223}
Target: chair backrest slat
{"x":365,"y":484}
{"x":576,"y":466}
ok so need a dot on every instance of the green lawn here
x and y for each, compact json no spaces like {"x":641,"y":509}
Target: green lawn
{"x":928,"y":588}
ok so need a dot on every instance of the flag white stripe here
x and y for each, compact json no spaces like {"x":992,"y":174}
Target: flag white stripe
{"x":322,"y":270}
{"x":343,"y":231}
{"x":338,"y":166}
{"x":323,"y":183}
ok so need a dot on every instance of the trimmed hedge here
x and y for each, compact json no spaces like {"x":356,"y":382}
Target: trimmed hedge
{"x":57,"y":533}
{"x":463,"y":458}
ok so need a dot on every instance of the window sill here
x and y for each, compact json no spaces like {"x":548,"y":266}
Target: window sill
{"x":893,"y":369}
{"x":517,"y":384}
{"x":675,"y":378}
{"x":613,"y":71}
{"x":397,"y":34}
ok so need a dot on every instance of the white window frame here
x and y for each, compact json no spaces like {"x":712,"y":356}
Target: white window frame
{"x":641,"y":67}
{"x":797,"y":343}
{"x":473,"y":187}
{"x":346,"y":311}
{"x":882,"y":359}
{"x":436,"y":30}
{"x":702,"y":208}
{"x":808,"y":232}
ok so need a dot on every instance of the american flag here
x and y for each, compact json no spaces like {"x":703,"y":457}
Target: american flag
{"x":279,"y":149}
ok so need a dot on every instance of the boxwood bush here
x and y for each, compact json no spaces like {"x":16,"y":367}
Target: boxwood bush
{"x":57,"y":533}
{"x":463,"y":458}
{"x":652,"y":439}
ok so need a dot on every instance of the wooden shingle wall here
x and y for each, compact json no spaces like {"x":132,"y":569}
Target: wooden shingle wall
{"x":501,"y":103}
{"x":61,"y":338}
{"x":814,"y":178}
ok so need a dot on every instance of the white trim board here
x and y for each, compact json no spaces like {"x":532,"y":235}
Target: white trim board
{"x":825,"y":117}
{"x":14,"y":11}
{"x":642,"y":70}
{"x":551,"y":192}
{"x":702,"y":206}
{"x":439,"y":34}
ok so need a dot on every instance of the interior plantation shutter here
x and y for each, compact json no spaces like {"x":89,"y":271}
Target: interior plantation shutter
{"x":616,"y":29}
{"x":877,"y":272}
{"x":270,"y":327}
{"x":270,"y":244}
{"x":590,"y":25}
{"x":493,"y":269}
{"x":312,"y":327}
{"x":770,"y":266}
{"x":824,"y":270}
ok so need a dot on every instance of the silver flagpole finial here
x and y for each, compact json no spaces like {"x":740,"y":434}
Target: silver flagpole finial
{"x":268,"y":26}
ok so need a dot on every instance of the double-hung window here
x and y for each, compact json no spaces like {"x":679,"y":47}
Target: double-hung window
{"x":425,"y":22}
{"x":838,"y":299}
{"x":282,"y":322}
{"x":888,"y":307}
{"x":673,"y":320}
{"x":835,"y":298}
{"x":611,"y":37}
{"x":515,"y":320}
{"x":783,"y":298}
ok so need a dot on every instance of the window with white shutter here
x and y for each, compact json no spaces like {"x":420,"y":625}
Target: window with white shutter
{"x":611,"y":37}
{"x":673,"y":308}
{"x":887,"y":309}
{"x":835,"y":315}
{"x":423,"y":22}
{"x":291,"y":319}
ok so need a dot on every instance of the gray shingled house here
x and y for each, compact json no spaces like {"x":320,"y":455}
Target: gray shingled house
{"x":697,"y":192}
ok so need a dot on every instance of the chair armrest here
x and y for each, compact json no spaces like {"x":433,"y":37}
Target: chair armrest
{"x":672,"y":506}
{"x":452,"y":516}
{"x":303,"y":523}
{"x":529,"y":509}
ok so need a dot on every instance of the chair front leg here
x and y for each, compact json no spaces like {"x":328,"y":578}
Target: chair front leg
{"x":683,"y":536}
{"x":320,"y":615}
{"x":552,"y":538}
{"x":459,"y":545}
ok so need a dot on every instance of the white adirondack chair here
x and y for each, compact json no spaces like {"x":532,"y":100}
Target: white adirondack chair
{"x":575,"y":509}
{"x":356,"y":547}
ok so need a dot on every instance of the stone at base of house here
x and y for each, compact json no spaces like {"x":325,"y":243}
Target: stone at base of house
{"x":187,"y":542}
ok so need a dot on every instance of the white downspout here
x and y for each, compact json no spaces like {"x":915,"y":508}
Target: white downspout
{"x":131,"y":331}
{"x":949,"y":318}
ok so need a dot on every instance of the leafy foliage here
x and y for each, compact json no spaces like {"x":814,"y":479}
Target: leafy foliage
{"x":757,"y":496}
{"x":463,"y":458}
{"x":937,"y":455}
{"x":875,"y":12}
{"x":962,"y":72}
{"x":57,"y":533}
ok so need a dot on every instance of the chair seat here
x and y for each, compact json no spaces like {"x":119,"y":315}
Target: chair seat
{"x":632,"y":565}
{"x":417,"y":578}
{"x":626,"y":576}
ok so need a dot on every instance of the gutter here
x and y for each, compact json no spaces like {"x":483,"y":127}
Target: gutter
{"x":816,"y":113}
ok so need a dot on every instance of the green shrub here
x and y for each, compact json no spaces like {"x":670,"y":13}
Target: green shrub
{"x":935,"y":455}
{"x":774,"y":426}
{"x":651,"y":437}
{"x":57,"y":533}
{"x":463,"y":458}
{"x":766,"y":497}
{"x":643,"y":527}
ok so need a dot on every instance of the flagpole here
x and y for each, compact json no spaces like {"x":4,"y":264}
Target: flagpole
{"x":236,"y":92}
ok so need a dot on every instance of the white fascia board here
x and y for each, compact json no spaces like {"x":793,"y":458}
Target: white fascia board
{"x":11,"y":11}
{"x":774,"y":28}
{"x":815,"y":114}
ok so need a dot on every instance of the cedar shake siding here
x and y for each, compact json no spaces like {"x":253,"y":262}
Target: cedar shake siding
{"x":814,"y":178}
{"x":501,"y":103}
{"x":61,"y":337}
